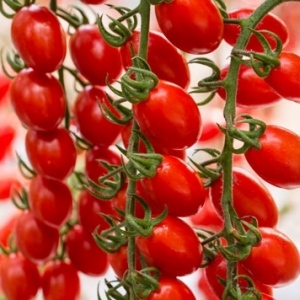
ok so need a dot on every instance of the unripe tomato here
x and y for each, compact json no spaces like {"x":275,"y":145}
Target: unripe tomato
{"x":39,"y":38}
{"x":192,"y":27}
{"x":169,"y":116}
{"x":173,"y":247}
{"x":96,"y":60}
{"x":38,"y":100}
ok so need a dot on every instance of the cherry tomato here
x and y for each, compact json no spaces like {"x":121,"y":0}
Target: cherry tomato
{"x":270,"y":22}
{"x":84,"y":253}
{"x":7,"y":229}
{"x":179,"y":22}
{"x":50,"y":200}
{"x":217,"y":268}
{"x":7,"y":135}
{"x":179,"y":125}
{"x":89,"y":212}
{"x":173,"y":247}
{"x":96,"y":60}
{"x":7,"y":184}
{"x":252,"y":90}
{"x":275,"y":261}
{"x":158,"y":148}
{"x":277,"y":161}
{"x":38,"y":100}
{"x":43,"y":246}
{"x":93,"y":168}
{"x":165,"y":60}
{"x":250,"y":198}
{"x":39,"y":38}
{"x":90,"y":121}
{"x":176,"y":185}
{"x":171,"y":288}
{"x":60,"y":281}
{"x":51,"y":154}
{"x":20,"y":278}
{"x":285,"y":79}
{"x":119,"y":261}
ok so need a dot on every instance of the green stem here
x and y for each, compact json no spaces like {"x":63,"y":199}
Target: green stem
{"x":229,"y":114}
{"x":144,"y":10}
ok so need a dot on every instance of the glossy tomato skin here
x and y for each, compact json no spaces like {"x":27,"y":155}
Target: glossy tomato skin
{"x":250,"y":198}
{"x":179,"y":125}
{"x":51,"y":154}
{"x":177,"y":186}
{"x":50,"y":200}
{"x":278,"y":159}
{"x":35,"y":29}
{"x":94,"y":169}
{"x":90,"y":121}
{"x":43,"y":246}
{"x":270,"y":22}
{"x":60,"y":281}
{"x":158,"y":148}
{"x":275,"y":261}
{"x":96,"y":60}
{"x":179,"y":22}
{"x":173,"y":248}
{"x":285,"y":79}
{"x":252,"y":91}
{"x":84,"y":253}
{"x":38,"y":100}
{"x":89,"y":210}
{"x":20,"y":278}
{"x":165,"y":60}
{"x":171,"y":288}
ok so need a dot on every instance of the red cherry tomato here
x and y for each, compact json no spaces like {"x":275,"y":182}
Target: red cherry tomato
{"x":250,"y":198}
{"x":7,"y":185}
{"x":158,"y":148}
{"x":165,"y":60}
{"x":60,"y":281}
{"x":270,"y":22}
{"x":96,"y":60}
{"x":217,"y":268}
{"x":36,"y":30}
{"x":275,"y":261}
{"x":173,"y":247}
{"x":119,"y":261}
{"x":43,"y":105}
{"x":171,"y":288}
{"x":91,"y":123}
{"x":177,"y":186}
{"x":179,"y":124}
{"x":7,"y":229}
{"x":84,"y":253}
{"x":277,"y":161}
{"x":252,"y":90}
{"x":90,"y":209}
{"x":50,"y":201}
{"x":51,"y":154}
{"x":20,"y":278}
{"x":285,"y":79}
{"x":93,"y":168}
{"x":45,"y":242}
{"x":179,"y":22}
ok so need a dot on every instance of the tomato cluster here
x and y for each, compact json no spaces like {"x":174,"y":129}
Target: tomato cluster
{"x":111,"y":178}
